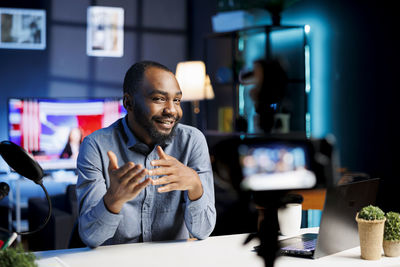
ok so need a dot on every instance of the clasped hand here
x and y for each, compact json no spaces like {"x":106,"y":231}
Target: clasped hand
{"x":176,"y":176}
{"x":126,"y":181}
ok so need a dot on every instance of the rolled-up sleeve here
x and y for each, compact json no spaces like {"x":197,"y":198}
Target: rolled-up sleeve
{"x":200,"y":215}
{"x":96,"y":223}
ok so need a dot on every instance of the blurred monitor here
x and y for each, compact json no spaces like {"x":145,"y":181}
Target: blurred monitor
{"x":50,"y":128}
{"x":276,"y":165}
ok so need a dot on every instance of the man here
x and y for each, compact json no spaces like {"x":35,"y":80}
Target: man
{"x":146,"y":177}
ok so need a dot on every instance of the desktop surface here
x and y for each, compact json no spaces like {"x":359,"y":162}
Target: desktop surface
{"x":213,"y":251}
{"x":219,"y":251}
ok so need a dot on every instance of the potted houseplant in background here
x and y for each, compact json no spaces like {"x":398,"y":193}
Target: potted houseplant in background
{"x":391,"y":236}
{"x":371,"y":222}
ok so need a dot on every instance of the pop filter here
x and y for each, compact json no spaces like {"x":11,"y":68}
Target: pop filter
{"x":21,"y":162}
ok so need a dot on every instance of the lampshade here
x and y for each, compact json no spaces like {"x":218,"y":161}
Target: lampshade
{"x":208,"y":90}
{"x":194,"y":82}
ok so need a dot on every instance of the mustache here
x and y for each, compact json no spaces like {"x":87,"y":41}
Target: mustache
{"x":175,"y":118}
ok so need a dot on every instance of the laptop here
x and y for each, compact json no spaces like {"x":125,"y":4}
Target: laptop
{"x":338,"y":228}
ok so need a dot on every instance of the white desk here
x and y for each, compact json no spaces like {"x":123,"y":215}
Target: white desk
{"x":214,"y":251}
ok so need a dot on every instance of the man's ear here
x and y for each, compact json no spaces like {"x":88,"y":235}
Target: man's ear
{"x":128,"y":102}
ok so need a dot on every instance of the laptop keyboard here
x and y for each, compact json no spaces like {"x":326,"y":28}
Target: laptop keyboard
{"x":310,"y":244}
{"x":306,"y":245}
{"x":303,"y":244}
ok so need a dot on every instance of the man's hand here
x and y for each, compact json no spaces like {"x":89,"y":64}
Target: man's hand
{"x":125,"y":183}
{"x":177,"y":176}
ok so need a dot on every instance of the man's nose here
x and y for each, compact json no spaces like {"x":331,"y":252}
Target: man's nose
{"x":170,"y":108}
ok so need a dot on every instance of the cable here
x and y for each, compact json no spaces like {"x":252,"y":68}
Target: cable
{"x":45,"y":222}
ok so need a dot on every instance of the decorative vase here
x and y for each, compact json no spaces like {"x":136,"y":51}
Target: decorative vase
{"x":371,"y":238}
{"x":391,"y":248}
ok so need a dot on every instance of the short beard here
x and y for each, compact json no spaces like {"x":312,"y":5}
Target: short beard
{"x":156,"y":136}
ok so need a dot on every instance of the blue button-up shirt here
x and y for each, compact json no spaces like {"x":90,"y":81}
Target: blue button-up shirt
{"x":151,"y":216}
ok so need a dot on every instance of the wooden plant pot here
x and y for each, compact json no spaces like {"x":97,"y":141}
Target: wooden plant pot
{"x":391,"y":248}
{"x":371,"y":238}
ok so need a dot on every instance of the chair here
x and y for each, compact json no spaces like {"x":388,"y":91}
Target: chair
{"x":231,"y":210}
{"x":56,"y":234}
{"x":75,"y":240}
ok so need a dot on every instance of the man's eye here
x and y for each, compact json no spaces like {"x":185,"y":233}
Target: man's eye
{"x":177,"y":101}
{"x":158,"y":99}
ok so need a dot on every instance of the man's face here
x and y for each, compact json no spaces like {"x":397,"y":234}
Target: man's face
{"x":156,"y":107}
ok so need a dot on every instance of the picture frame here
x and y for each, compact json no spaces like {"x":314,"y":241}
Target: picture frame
{"x":22,"y":28}
{"x":105,"y":31}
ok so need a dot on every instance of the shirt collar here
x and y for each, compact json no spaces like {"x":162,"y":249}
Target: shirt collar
{"x":133,"y":142}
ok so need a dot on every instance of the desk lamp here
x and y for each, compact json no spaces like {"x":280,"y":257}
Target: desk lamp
{"x":194,"y":83}
{"x":22,"y":163}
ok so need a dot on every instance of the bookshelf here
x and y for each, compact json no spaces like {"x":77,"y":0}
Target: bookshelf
{"x":227,"y":54}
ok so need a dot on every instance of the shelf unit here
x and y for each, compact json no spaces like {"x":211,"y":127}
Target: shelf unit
{"x":227,"y":53}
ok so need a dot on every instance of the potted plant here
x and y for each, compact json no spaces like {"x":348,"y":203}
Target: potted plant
{"x":371,"y":222}
{"x":391,"y":236}
{"x":17,"y":257}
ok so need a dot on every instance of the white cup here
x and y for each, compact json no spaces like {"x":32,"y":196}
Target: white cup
{"x":289,"y":218}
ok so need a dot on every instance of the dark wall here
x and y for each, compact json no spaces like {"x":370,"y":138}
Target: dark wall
{"x":364,"y":92}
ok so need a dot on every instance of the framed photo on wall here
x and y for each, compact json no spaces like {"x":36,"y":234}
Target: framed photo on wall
{"x":22,"y":28}
{"x":105,"y":31}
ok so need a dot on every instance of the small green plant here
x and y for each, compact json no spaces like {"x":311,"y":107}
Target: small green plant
{"x":17,"y":257}
{"x":392,"y":226}
{"x":371,"y":213}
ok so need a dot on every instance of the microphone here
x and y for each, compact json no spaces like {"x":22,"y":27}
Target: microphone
{"x":25,"y":165}
{"x":4,"y":190}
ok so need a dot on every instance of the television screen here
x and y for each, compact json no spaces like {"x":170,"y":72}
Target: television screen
{"x":52,"y":129}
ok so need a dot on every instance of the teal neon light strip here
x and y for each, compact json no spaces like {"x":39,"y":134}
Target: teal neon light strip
{"x":308,"y":87}
{"x":241,"y":100}
{"x":308,"y":125}
{"x":307,"y":68}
